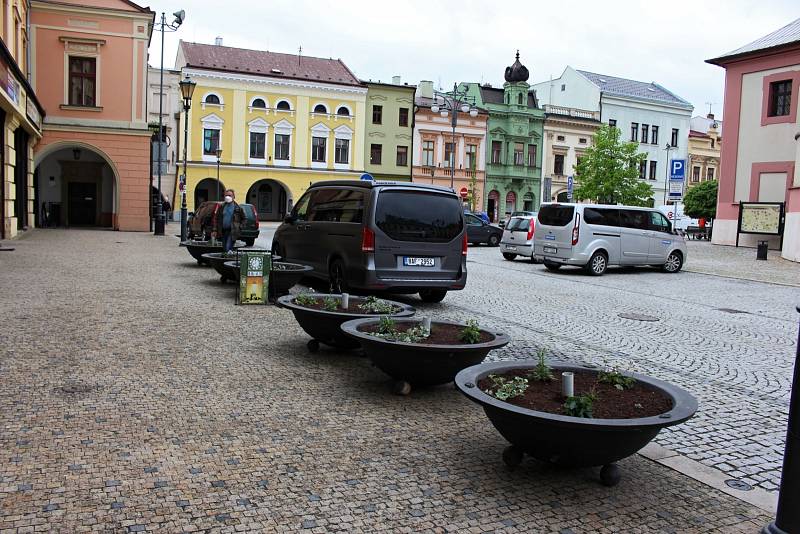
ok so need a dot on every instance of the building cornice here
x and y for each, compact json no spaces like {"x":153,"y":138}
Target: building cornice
{"x":682,"y":108}
{"x":315,"y":170}
{"x":210,"y":74}
{"x":96,"y":11}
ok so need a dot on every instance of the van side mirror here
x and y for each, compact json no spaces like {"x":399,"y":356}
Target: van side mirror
{"x":290,"y":219}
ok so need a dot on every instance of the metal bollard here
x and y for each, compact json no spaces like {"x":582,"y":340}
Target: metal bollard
{"x":787,"y":518}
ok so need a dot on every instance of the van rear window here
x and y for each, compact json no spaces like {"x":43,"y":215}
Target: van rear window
{"x":419,"y":216}
{"x":556,"y":215}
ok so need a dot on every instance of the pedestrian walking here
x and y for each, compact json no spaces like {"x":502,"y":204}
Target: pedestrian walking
{"x":228,"y":221}
{"x":166,"y":207}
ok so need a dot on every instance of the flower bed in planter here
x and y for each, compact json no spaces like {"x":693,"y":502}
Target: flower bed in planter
{"x":198,"y":248}
{"x":412,"y":354}
{"x":321,"y":315}
{"x":610,"y":416}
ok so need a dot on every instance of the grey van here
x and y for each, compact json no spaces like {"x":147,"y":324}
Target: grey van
{"x":367,"y":236}
{"x":596,"y":236}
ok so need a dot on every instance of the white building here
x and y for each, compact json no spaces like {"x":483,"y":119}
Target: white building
{"x":645,"y":112}
{"x":171,"y":108}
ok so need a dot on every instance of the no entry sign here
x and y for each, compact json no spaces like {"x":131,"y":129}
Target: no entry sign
{"x":464,"y":193}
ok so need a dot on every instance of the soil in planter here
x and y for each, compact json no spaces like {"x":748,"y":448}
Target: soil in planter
{"x":319,"y":304}
{"x":441,"y":333}
{"x":638,"y":401}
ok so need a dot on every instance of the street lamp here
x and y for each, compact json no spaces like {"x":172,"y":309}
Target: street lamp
{"x":164,"y":27}
{"x":451,"y":103}
{"x":187,"y":90}
{"x":219,"y":155}
{"x":666,"y":172}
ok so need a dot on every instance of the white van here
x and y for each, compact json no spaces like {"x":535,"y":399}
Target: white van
{"x":596,"y":236}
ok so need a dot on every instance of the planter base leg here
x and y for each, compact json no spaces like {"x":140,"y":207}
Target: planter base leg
{"x":401,"y":387}
{"x":512,"y":456}
{"x":610,"y":475}
{"x":313,"y":345}
{"x":772,"y":528}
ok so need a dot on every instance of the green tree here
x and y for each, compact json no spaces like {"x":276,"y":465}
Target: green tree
{"x":608,"y":172}
{"x":701,"y":200}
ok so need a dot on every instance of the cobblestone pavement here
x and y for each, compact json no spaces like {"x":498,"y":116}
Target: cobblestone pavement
{"x":135,"y":397}
{"x":741,"y":263}
{"x":730,"y":342}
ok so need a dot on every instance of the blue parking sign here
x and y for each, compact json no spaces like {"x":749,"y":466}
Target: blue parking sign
{"x":570,"y":186}
{"x":677,"y":169}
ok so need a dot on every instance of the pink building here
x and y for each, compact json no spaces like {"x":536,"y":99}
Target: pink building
{"x":89,"y":70}
{"x":760,"y":160}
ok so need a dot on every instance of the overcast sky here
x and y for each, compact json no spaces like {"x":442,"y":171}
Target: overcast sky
{"x":447,"y":41}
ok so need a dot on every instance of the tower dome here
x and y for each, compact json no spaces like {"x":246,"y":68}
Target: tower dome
{"x":517,"y":72}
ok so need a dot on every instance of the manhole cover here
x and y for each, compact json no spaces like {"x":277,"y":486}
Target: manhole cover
{"x":74,"y":389}
{"x":731,"y":310}
{"x":738,"y":484}
{"x":639,"y":317}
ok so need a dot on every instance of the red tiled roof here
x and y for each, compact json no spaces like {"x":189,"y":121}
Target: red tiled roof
{"x":695,"y":133}
{"x":272,"y":64}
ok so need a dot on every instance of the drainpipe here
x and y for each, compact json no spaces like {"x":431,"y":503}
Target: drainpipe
{"x":28,"y":33}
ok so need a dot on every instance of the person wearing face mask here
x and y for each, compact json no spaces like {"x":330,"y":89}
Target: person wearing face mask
{"x":228,"y":222}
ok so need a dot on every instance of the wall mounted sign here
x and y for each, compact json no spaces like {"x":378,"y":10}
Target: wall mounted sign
{"x":761,"y":218}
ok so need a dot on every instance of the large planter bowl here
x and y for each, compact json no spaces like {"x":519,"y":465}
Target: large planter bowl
{"x":420,"y":364}
{"x":325,"y":326}
{"x":282,"y":277}
{"x":217,"y":260}
{"x":198,"y":248}
{"x":572,"y":441}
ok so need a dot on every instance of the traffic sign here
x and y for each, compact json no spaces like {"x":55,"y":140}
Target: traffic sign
{"x":677,"y":169}
{"x":367,"y":177}
{"x":570,"y":185}
{"x":464,"y":193}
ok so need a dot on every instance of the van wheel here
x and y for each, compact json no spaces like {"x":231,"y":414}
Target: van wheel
{"x":493,"y":241}
{"x":598,"y":264}
{"x":337,"y":277}
{"x":509,"y":256}
{"x":674,"y":262}
{"x":552,"y":266}
{"x":432,"y":295}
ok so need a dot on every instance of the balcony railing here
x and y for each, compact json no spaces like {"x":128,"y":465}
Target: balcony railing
{"x":446,"y":172}
{"x":572,"y":112}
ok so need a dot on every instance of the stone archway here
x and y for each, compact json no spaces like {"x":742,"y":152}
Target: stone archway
{"x":493,"y":204}
{"x":271,"y":198}
{"x":208,"y":189}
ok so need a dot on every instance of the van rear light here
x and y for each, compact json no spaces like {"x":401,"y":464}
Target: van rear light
{"x":531,"y":228}
{"x":576,"y":230}
{"x":464,"y":244}
{"x":255,"y":213}
{"x":367,"y":240}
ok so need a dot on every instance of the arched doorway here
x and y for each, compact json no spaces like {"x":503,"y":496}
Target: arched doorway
{"x":75,"y":185}
{"x":492,"y":204}
{"x":208,"y":189}
{"x":562,"y":197}
{"x":511,"y":203}
{"x":271,"y":198}
{"x":528,"y":202}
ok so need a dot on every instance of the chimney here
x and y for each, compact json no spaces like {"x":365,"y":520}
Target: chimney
{"x":425,"y":89}
{"x":218,"y":41}
{"x":396,"y":80}
{"x":710,"y":116}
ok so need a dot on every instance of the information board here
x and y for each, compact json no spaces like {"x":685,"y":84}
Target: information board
{"x":761,"y":218}
{"x":254,"y":268}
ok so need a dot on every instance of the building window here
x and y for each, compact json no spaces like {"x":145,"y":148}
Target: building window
{"x":259,"y":103}
{"x":321,"y":109}
{"x":558,"y":164}
{"x":695,"y":174}
{"x":563,"y":87}
{"x":82,"y":78}
{"x":343,"y":111}
{"x":710,"y":173}
{"x":210,"y":141}
{"x":519,"y":99}
{"x":780,"y":98}
{"x":612,"y":123}
{"x":403,"y":117}
{"x":342,"y":151}
{"x":560,"y":138}
{"x":577,"y":164}
{"x":674,"y":142}
{"x":377,"y":114}
{"x":375,"y":152}
{"x":519,"y":154}
{"x":497,"y":150}
{"x":472,"y":157}
{"x":712,"y":142}
{"x":402,"y":156}
{"x":212,"y":99}
{"x":283,"y":105}
{"x":449,"y":154}
{"x":634,"y":131}
{"x":427,"y":153}
{"x":582,"y":140}
{"x":258,"y":141}
{"x":645,"y":133}
{"x":282,"y":147}
{"x":653,"y":167}
{"x":642,"y":170}
{"x":654,"y":135}
{"x":531,"y":155}
{"x":318,"y":145}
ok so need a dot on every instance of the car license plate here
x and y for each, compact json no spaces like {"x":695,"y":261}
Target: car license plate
{"x":417,"y":262}
{"x":550,"y":250}
{"x":511,"y":247}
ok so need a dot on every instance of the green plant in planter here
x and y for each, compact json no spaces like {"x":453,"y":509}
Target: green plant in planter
{"x":471,"y":334}
{"x":330,"y":303}
{"x":614,"y":377}
{"x":304,"y":299}
{"x":387,"y":330}
{"x":386,"y":325}
{"x":503,"y":389}
{"x":580,"y":405}
{"x":373,"y":304}
{"x":542,"y":372}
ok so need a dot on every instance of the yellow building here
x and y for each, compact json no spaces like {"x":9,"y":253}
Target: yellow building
{"x":282,"y":121}
{"x":705,"y":143}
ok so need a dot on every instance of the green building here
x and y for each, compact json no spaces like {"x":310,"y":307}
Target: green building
{"x":389,"y":131}
{"x":513,"y":144}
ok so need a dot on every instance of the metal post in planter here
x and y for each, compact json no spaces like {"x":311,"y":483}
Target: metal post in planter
{"x":787,"y":518}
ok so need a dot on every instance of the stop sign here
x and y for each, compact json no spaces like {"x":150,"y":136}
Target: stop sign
{"x":464,"y":192}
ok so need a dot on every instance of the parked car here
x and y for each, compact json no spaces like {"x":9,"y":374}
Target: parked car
{"x":518,"y":237}
{"x":201,"y":221}
{"x":479,"y":231}
{"x":596,"y":236}
{"x":482,"y":215}
{"x":369,"y":236}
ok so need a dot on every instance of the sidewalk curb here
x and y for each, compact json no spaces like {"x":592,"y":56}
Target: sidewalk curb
{"x":715,"y":478}
{"x":784,"y":284}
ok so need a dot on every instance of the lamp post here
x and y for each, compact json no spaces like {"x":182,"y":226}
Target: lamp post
{"x":163,"y":27}
{"x":187,"y":90}
{"x":445,"y":103}
{"x":219,"y":155}
{"x":666,"y":172}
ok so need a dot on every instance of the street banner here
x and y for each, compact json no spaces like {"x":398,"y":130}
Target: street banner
{"x":254,"y":268}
